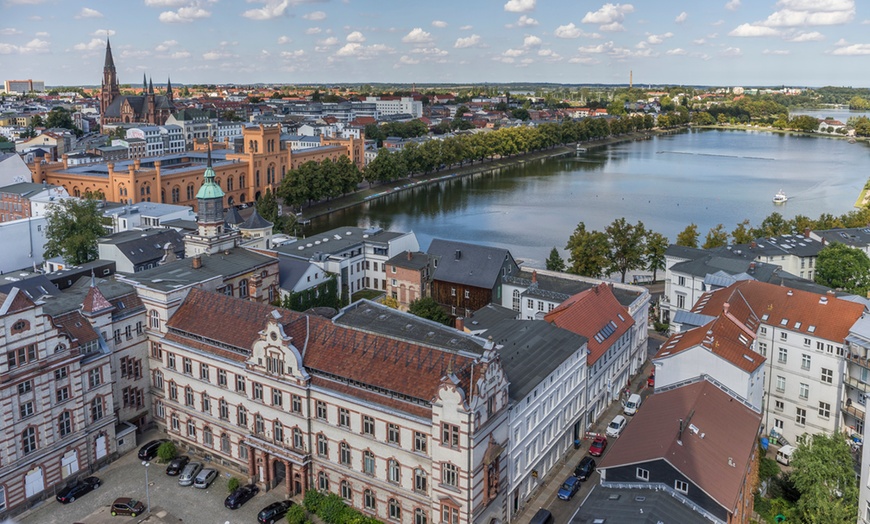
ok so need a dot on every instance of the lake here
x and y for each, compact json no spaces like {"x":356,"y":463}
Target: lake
{"x":706,"y":177}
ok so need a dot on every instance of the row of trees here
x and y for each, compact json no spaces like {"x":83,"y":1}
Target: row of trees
{"x":315,"y":181}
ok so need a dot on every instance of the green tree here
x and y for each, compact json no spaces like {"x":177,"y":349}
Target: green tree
{"x":773,"y":225}
{"x":689,"y":236}
{"x":167,"y":451}
{"x":60,"y":117}
{"x":73,"y":229}
{"x":626,"y":243}
{"x":267,"y":207}
{"x":589,"y":252}
{"x":716,"y":237}
{"x":824,"y":475}
{"x":296,"y":515}
{"x":426,"y":307}
{"x":656,"y":245}
{"x":521,"y":113}
{"x":841,"y":267}
{"x":233,"y":484}
{"x":742,"y":234}
{"x":555,"y":261}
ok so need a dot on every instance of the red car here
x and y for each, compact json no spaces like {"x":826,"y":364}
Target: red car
{"x":651,"y":380}
{"x":598,"y":446}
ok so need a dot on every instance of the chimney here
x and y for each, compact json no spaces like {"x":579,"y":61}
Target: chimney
{"x":253,"y":285}
{"x":806,"y":232}
{"x":753,"y":245}
{"x":196,"y":263}
{"x":725,"y":307}
{"x":534,"y":277}
{"x":458,"y":254}
{"x":460,"y":324}
{"x":410,"y":256}
{"x":823,"y":300}
{"x":65,"y":161}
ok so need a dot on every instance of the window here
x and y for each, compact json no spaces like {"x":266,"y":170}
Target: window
{"x":25,"y":387}
{"x":421,"y":481}
{"x":61,"y":373}
{"x":28,"y":440}
{"x":242,"y":417}
{"x":449,"y":514}
{"x":296,"y":403}
{"x":240,"y":383}
{"x":824,"y":410}
{"x":467,"y":294}
{"x":277,"y":398}
{"x":681,"y":301}
{"x":368,"y":462}
{"x":453,"y":292}
{"x":206,"y":403}
{"x":343,"y":418}
{"x":827,"y":376}
{"x":449,"y":474}
{"x":395,"y":510}
{"x":173,"y":391}
{"x":154,"y":320}
{"x":804,"y":391}
{"x":224,"y":410}
{"x":174,"y":422}
{"x":805,"y":361}
{"x":449,"y":435}
{"x":346,"y":492}
{"x":62,"y":394}
{"x":25,"y":410}
{"x":783,"y":335}
{"x":297,"y":439}
{"x":278,"y":431}
{"x":368,"y":425}
{"x":191,"y":429}
{"x":779,"y":405}
{"x":322,"y":481}
{"x":369,"y":499}
{"x":807,"y":342}
{"x":225,"y":443}
{"x":800,"y":416}
{"x":204,"y":372}
{"x":762,"y":348}
{"x":96,"y":409}
{"x":243,"y":452}
{"x":259,"y":424}
{"x":207,"y":437}
{"x":642,"y":474}
{"x":420,"y":516}
{"x":344,"y":455}
{"x":188,"y":396}
{"x":170,"y":360}
{"x":94,"y":378}
{"x":161,"y":409}
{"x":222,"y":378}
{"x":783,"y":356}
{"x":258,"y":391}
{"x":780,"y":383}
{"x":420,"y":440}
{"x":681,"y":281}
{"x":763,"y":329}
{"x":392,"y":433}
{"x":682,"y":487}
{"x":322,"y":445}
{"x":321,"y":410}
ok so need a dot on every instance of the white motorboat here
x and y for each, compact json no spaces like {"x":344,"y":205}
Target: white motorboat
{"x":780,"y":198}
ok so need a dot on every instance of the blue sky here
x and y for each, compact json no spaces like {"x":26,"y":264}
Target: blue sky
{"x":707,"y":42}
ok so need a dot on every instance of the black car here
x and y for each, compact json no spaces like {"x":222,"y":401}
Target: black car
{"x":149,"y":451}
{"x":585,"y":468}
{"x":77,"y":489}
{"x":240,"y":496}
{"x":176,"y":465}
{"x":274,"y":512}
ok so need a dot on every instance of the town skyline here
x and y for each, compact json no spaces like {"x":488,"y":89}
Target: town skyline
{"x":729,"y":42}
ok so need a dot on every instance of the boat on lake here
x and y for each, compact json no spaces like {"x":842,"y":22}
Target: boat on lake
{"x":780,"y":198}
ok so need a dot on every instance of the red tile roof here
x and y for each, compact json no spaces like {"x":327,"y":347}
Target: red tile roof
{"x":95,"y":301}
{"x":76,"y":327}
{"x":715,"y":455}
{"x":587,"y":313}
{"x":723,"y":337}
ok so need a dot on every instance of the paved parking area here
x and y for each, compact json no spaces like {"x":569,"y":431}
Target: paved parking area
{"x":126,"y":478}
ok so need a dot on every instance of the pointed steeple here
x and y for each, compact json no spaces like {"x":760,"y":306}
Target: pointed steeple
{"x":209,"y":189}
{"x":110,"y":62}
{"x":150,"y":87}
{"x":144,"y":84}
{"x":169,"y":88}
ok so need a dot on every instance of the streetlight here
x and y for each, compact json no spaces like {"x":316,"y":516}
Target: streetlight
{"x":147,"y":492}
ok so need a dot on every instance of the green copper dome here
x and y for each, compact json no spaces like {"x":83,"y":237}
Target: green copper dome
{"x":209,"y":189}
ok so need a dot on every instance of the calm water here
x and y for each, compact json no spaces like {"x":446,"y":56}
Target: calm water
{"x":668,"y":182}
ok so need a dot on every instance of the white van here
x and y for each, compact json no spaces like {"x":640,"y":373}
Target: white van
{"x":632,"y":404}
{"x":783,"y":456}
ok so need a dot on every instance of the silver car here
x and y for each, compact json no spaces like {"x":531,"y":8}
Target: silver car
{"x":205,"y":478}
{"x":189,"y":473}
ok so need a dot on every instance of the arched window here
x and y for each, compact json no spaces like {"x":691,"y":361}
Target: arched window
{"x":28,"y":440}
{"x":421,"y":481}
{"x":344,"y":454}
{"x":207,"y":437}
{"x":257,"y":179}
{"x":322,"y":481}
{"x":346,"y":492}
{"x":393,"y":471}
{"x":241,"y":181}
{"x":217,"y":181}
{"x":369,"y":500}
{"x":420,"y":516}
{"x":224,"y":410}
{"x":243,"y":416}
{"x":297,"y":439}
{"x":64,"y":424}
{"x":225,"y":443}
{"x":229,"y":183}
{"x":395,"y":510}
{"x":278,"y":430}
{"x":142,"y":191}
{"x":176,"y":194}
{"x":191,"y":429}
{"x":243,"y":287}
{"x":322,"y":445}
{"x":191,"y":193}
{"x":155,"y":319}
{"x":368,"y":462}
{"x":259,"y":424}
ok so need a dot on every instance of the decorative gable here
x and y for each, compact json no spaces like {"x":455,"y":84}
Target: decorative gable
{"x":274,"y":352}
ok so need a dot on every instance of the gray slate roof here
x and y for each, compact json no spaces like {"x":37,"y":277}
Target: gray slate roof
{"x":33,"y":285}
{"x":488,"y":316}
{"x":478,"y":266}
{"x":180,"y":273}
{"x":24,"y":188}
{"x":855,"y":237}
{"x":337,"y":241}
{"x":255,"y":221}
{"x":712,"y":264}
{"x":232,"y":217}
{"x":417,"y":261}
{"x":137,"y":103}
{"x":561,"y":289}
{"x":142,"y":246}
{"x":622,"y":505}
{"x":290,"y":271}
{"x":71,"y":298}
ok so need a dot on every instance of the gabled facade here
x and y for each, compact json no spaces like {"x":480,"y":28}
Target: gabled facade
{"x":408,"y":277}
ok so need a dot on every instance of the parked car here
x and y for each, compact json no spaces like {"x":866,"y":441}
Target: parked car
{"x":614,"y":429}
{"x":149,"y":451}
{"x":77,"y":489}
{"x":176,"y":465}
{"x":569,"y":488}
{"x":127,"y":506}
{"x":274,"y":512}
{"x":189,"y":473}
{"x":585,"y":468}
{"x":632,"y":404}
{"x":598,"y":446}
{"x":205,"y":478}
{"x":240,"y":496}
{"x":651,"y":380}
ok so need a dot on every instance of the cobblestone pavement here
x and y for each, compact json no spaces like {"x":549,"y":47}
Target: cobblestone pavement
{"x":126,"y":478}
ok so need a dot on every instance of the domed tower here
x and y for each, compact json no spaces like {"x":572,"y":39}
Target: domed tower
{"x":211,"y":235}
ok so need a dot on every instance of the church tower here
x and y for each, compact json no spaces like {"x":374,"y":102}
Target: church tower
{"x":212,"y":235}
{"x":110,"y":89}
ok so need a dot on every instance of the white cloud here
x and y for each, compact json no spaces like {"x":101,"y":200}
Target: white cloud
{"x":313,"y":31}
{"x":293,"y":54}
{"x":103,"y":32}
{"x":417,"y":36}
{"x":356,"y":36}
{"x":315,"y":16}
{"x":354,"y":49}
{"x":658,"y":39}
{"x":583,"y":60}
{"x":439,"y":23}
{"x":407,"y":60}
{"x":700,"y":41}
{"x":609,"y":16}
{"x":519,"y":6}
{"x":572,"y":31}
{"x":165,"y":3}
{"x":596,"y":49}
{"x":271,"y":9}
{"x":526,"y":21}
{"x":732,"y":5}
{"x":9,"y":31}
{"x":676,"y":51}
{"x":732,"y":51}
{"x":681,"y":17}
{"x":531,"y":41}
{"x":165,"y":45}
{"x":217,"y":55}
{"x":93,"y":45}
{"x":750,"y":30}
{"x":549,"y":54}
{"x":87,"y":12}
{"x":284,"y":39}
{"x":865,"y":22}
{"x":329,"y":41}
{"x":432,"y":51}
{"x":466,"y":28}
{"x":775,"y":52}
{"x":183,"y":15}
{"x":35,"y":46}
{"x":23,"y":2}
{"x":853,"y":50}
{"x":42,"y":34}
{"x":134,"y":53}
{"x":469,"y":41}
{"x":514,"y":52}
{"x":180,"y":54}
{"x":795,"y":13}
{"x":811,"y":36}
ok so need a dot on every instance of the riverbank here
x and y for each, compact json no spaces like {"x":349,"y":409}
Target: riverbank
{"x":379,"y":191}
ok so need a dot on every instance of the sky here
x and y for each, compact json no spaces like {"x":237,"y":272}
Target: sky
{"x":676,"y":42}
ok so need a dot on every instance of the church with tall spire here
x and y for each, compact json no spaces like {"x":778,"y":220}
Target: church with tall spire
{"x":149,"y":108}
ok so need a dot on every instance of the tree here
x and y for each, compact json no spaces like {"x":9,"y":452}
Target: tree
{"x":716,"y":237}
{"x":824,"y":475}
{"x":296,"y":515}
{"x":773,"y":225}
{"x":626,"y":246}
{"x":841,"y":267}
{"x":426,"y":307}
{"x":60,"y":117}
{"x":589,"y":252}
{"x":167,"y":451}
{"x":689,"y":236}
{"x":73,"y":229}
{"x":742,"y":233}
{"x":555,"y":261}
{"x":233,"y":484}
{"x":267,"y":207}
{"x":656,"y":245}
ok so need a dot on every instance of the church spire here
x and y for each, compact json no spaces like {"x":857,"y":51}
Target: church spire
{"x":150,"y":86}
{"x":144,"y":84}
{"x":169,"y":89}
{"x":110,"y":62}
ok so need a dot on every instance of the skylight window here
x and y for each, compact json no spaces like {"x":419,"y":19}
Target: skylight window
{"x":811,"y":329}
{"x":765,"y":316}
{"x":783,"y":322}
{"x":797,"y":325}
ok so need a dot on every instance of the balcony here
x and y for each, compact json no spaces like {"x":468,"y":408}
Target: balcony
{"x":861,"y":361}
{"x":853,"y":409}
{"x":857,"y":384}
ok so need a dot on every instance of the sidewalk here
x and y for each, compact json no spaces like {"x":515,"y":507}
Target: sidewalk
{"x":545,"y":495}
